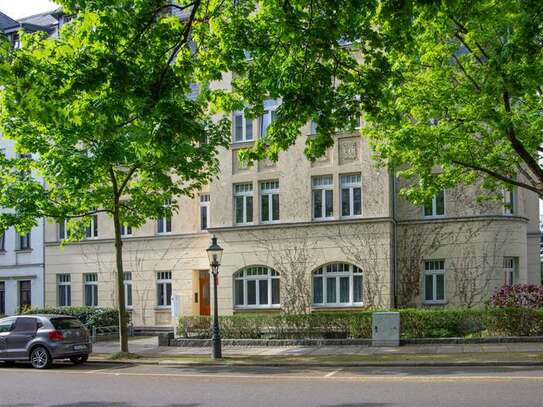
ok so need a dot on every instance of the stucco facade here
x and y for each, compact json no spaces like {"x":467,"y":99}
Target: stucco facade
{"x":389,"y":244}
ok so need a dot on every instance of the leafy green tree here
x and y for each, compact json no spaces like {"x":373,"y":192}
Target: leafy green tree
{"x":109,"y":115}
{"x":450,"y":91}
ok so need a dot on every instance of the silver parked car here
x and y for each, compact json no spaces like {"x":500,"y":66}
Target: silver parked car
{"x":43,"y":338}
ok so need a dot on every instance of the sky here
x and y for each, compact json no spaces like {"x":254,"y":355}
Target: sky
{"x":23,"y":8}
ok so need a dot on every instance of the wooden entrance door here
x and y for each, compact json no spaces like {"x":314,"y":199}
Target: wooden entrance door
{"x":204,"y":294}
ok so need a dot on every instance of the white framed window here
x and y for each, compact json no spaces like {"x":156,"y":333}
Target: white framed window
{"x":269,"y":201}
{"x":269,"y":115}
{"x":510,"y":267}
{"x":243,"y":203}
{"x":323,"y":197}
{"x":243,"y":128}
{"x":204,"y":211}
{"x":313,"y":127}
{"x":64,"y":290}
{"x":126,"y":230}
{"x":24,"y":242}
{"x":91,"y":289}
{"x":2,"y":243}
{"x":62,"y":227}
{"x":92,"y":229}
{"x":336,"y":285}
{"x":434,"y":282}
{"x":164,"y":223}
{"x":164,"y":288}
{"x":435,"y":207}
{"x":127,"y":289}
{"x":509,"y":202}
{"x":351,"y":195}
{"x":256,"y":287}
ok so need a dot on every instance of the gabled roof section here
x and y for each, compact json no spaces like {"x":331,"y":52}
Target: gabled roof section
{"x":46,"y":20}
{"x":7,"y":22}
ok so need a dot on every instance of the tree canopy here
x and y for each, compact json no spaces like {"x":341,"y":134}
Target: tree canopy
{"x":450,"y":91}
{"x":106,"y":118}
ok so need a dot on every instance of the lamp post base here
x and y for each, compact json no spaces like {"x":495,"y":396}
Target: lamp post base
{"x":216,"y":348}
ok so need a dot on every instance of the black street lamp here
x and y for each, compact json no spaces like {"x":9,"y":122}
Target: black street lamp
{"x":214,"y":253}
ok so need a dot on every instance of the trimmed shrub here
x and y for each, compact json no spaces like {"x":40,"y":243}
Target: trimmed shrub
{"x":415,"y":323}
{"x":519,"y":295}
{"x":89,"y":316}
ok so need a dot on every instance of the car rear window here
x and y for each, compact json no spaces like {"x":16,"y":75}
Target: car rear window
{"x":66,"y":323}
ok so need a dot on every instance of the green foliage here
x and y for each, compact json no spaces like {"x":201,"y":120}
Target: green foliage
{"x":89,"y":316}
{"x":107,"y":113}
{"x":415,"y":323}
{"x":464,"y":93}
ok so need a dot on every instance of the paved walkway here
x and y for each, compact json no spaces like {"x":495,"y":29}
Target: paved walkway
{"x":148,"y":346}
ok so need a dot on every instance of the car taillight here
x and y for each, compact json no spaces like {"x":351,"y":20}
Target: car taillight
{"x":56,"y":336}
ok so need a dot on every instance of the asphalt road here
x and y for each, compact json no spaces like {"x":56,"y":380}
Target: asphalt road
{"x":107,"y":385}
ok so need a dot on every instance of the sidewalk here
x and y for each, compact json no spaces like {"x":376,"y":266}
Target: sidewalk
{"x":468,"y":354}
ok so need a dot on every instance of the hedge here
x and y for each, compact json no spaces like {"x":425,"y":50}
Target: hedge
{"x":415,"y":323}
{"x":89,"y":316}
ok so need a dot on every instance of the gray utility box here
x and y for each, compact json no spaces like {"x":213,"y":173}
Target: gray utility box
{"x":385,"y":329}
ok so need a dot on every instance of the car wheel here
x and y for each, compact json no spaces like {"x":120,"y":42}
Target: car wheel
{"x":78,"y":360}
{"x":40,"y":358}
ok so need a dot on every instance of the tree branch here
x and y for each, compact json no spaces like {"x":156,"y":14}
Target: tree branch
{"x":477,"y":87}
{"x":497,"y":175}
{"x":127,"y":178}
{"x":530,"y":161}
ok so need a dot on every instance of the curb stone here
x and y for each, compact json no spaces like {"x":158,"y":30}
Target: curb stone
{"x":313,"y":365}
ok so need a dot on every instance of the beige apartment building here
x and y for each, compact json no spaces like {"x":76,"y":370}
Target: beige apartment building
{"x":298,"y":236}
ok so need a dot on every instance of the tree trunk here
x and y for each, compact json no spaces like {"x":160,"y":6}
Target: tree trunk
{"x":123,"y":326}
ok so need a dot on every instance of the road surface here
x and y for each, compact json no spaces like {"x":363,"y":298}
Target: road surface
{"x":106,"y":385}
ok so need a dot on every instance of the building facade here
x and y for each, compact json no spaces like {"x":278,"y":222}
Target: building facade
{"x":22,"y":257}
{"x":299,"y":236}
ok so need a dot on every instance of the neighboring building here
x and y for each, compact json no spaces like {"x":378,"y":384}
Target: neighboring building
{"x":21,"y":256}
{"x":328,"y":235}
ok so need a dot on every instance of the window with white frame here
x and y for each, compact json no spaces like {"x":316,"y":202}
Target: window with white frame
{"x":269,"y":115}
{"x":509,"y":202}
{"x":269,"y":201}
{"x":243,"y":128}
{"x":90,"y":289}
{"x":164,"y":223}
{"x":128,"y":289}
{"x":2,"y":243}
{"x":510,"y":270}
{"x":337,"y":284}
{"x":204,"y":211}
{"x":62,"y":226}
{"x":434,"y":281}
{"x":313,"y":127}
{"x":126,"y":230}
{"x":256,"y":287}
{"x":243,"y":203}
{"x":24,"y":242}
{"x":164,"y":288}
{"x":92,"y":229}
{"x":323,"y":197}
{"x":436,"y":206}
{"x":351,"y":195}
{"x":64,"y":290}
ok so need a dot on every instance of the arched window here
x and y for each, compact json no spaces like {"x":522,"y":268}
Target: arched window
{"x":256,"y":287}
{"x":336,"y":285}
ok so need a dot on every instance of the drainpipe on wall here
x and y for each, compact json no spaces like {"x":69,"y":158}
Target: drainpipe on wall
{"x":394,"y":243}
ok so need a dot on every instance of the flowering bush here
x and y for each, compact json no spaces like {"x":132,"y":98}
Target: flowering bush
{"x":519,"y":295}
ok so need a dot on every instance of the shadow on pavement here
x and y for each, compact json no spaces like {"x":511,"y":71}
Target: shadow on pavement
{"x":104,"y":404}
{"x":358,"y":405}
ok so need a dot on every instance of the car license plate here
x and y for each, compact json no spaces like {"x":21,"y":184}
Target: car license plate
{"x":80,"y":347}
